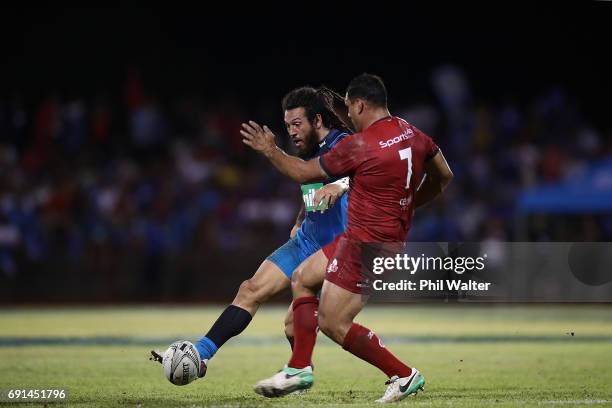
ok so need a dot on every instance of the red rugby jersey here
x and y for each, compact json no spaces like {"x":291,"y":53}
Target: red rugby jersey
{"x":385,"y":162}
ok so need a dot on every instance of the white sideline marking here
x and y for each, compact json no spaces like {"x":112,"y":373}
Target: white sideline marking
{"x":583,"y":402}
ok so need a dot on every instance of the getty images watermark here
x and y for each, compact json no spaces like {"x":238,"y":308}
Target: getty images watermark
{"x":488,"y":271}
{"x":411,"y":265}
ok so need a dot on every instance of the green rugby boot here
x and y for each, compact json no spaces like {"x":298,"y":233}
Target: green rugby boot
{"x":286,"y":381}
{"x":399,"y":388}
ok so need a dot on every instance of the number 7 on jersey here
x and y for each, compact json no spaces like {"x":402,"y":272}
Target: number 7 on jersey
{"x":406,"y":154}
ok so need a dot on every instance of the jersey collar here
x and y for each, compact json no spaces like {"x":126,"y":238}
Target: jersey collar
{"x":329,"y":138}
{"x":379,"y":120}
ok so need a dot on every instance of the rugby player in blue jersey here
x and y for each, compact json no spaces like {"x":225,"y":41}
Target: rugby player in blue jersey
{"x":314,"y":126}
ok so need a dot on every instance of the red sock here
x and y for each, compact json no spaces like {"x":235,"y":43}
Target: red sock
{"x":304,"y":330}
{"x":363,"y":343}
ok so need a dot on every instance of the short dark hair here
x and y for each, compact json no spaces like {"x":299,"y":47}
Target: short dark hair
{"x":322,"y":101}
{"x":370,"y":88}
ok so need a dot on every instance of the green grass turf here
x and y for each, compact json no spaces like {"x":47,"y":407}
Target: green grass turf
{"x":471,"y":356}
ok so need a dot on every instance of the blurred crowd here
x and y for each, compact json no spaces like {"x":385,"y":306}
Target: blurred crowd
{"x":500,"y":148}
{"x":127,"y":189}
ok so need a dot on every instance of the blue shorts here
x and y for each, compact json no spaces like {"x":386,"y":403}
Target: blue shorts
{"x":292,"y":253}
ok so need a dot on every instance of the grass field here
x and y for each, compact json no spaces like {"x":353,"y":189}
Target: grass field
{"x":471,"y":356}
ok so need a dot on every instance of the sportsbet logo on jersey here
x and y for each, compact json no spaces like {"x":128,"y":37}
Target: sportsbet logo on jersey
{"x":407,"y":134}
{"x":308,"y":193}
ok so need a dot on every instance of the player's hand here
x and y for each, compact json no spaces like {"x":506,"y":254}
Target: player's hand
{"x":328,"y":194}
{"x":258,"y":138}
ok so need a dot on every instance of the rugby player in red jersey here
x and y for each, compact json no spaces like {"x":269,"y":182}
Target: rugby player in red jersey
{"x":386,"y":161}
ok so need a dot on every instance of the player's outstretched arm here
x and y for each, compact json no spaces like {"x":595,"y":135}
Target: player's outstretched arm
{"x":262,"y":140}
{"x":438,"y":177}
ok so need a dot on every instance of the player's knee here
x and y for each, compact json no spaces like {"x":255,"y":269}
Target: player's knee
{"x":296,"y":277}
{"x":250,"y":292}
{"x":299,"y":285}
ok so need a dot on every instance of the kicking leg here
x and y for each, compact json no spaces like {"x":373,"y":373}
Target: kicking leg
{"x":268,"y":281}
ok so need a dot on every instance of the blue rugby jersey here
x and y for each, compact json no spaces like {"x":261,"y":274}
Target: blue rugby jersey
{"x":321,"y":228}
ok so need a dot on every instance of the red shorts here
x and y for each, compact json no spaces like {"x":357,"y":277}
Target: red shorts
{"x":350,"y":262}
{"x":344,"y":265}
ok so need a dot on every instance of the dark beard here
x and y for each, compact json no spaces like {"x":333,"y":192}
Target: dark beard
{"x":311,"y":144}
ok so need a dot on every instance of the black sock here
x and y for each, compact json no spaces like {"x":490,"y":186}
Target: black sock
{"x":231,"y":323}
